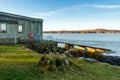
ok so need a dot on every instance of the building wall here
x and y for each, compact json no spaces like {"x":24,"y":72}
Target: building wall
{"x":12,"y":35}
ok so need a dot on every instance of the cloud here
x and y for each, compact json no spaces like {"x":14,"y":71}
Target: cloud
{"x":102,"y":6}
{"x":77,"y":7}
{"x":111,"y":13}
{"x":45,"y":14}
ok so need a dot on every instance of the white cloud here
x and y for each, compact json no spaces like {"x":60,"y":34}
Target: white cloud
{"x":111,"y":13}
{"x":45,"y":14}
{"x":76,"y":7}
{"x":103,"y":6}
{"x":37,"y":15}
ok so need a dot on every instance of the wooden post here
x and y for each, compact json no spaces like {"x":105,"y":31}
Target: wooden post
{"x":56,"y":44}
{"x":95,"y":50}
{"x":69,"y":46}
{"x":86,"y":48}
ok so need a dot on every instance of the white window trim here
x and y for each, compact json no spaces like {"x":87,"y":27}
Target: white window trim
{"x":21,"y":28}
{"x":5,"y":28}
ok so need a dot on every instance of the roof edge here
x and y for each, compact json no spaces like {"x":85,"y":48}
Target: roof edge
{"x":20,"y":16}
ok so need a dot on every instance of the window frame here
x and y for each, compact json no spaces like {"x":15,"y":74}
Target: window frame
{"x":19,"y":28}
{"x":5,"y":24}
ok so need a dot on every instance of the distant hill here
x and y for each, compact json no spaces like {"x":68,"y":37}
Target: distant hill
{"x":85,"y":31}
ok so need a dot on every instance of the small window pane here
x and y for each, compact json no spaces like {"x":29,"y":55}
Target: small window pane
{"x":3,"y":28}
{"x":20,"y":28}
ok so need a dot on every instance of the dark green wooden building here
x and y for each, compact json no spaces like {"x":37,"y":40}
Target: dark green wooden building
{"x":16,"y":28}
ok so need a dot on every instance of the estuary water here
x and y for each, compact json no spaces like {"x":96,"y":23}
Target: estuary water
{"x":108,"y":41}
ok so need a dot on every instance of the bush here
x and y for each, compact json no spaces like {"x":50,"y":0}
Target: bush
{"x":55,"y":63}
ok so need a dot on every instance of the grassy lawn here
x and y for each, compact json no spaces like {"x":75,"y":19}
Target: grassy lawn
{"x":19,"y":63}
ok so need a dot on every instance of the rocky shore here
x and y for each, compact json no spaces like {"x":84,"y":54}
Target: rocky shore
{"x":114,"y":60}
{"x":50,"y":47}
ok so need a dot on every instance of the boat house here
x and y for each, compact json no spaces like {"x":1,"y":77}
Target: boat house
{"x":16,"y":28}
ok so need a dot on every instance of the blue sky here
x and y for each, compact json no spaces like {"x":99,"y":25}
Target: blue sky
{"x":68,"y":14}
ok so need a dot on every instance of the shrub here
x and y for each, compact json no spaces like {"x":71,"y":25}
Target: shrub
{"x":52,"y":62}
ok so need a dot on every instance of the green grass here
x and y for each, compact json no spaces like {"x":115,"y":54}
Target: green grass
{"x":19,"y":63}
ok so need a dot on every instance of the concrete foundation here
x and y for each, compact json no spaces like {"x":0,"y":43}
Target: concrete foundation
{"x":8,"y":40}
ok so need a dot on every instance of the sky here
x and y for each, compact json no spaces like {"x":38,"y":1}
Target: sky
{"x":68,"y":14}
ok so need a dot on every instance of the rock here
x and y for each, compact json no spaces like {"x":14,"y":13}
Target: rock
{"x":114,"y":60}
{"x":81,"y":58}
{"x":68,"y":54}
{"x":90,"y":59}
{"x":74,"y":52}
{"x":45,"y":47}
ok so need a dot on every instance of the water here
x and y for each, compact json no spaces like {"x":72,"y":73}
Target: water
{"x":108,"y":41}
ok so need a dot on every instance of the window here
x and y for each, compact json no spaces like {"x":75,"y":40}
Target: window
{"x":3,"y":28}
{"x":20,"y":28}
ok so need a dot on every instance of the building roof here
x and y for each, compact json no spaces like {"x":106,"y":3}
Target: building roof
{"x":9,"y":21}
{"x":20,"y":16}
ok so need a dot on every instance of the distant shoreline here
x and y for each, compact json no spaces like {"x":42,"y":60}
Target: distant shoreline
{"x":85,"y":31}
